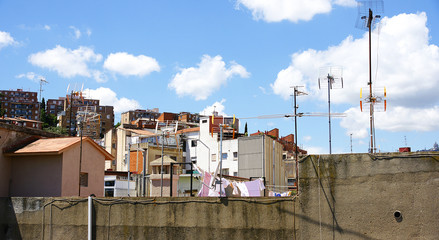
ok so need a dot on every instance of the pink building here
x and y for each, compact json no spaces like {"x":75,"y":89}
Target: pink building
{"x":54,"y":167}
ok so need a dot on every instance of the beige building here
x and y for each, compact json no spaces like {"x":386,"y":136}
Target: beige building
{"x":156,"y":177}
{"x":55,"y":167}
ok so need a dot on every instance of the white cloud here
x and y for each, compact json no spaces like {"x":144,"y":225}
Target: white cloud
{"x":31,"y":76}
{"x":314,"y":150}
{"x":88,"y":32}
{"x":408,"y":68}
{"x":290,"y":10}
{"x":217,"y":106}
{"x":307,"y":138}
{"x":127,"y":64}
{"x":109,"y":98}
{"x":76,"y":32}
{"x":6,"y":39}
{"x":346,"y":3}
{"x":200,"y":82}
{"x":66,"y":62}
{"x":47,"y":27}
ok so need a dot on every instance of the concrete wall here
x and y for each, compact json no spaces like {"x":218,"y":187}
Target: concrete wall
{"x":357,"y":196}
{"x":148,"y":218}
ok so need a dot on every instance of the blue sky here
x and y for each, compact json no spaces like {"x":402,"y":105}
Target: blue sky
{"x":241,"y":56}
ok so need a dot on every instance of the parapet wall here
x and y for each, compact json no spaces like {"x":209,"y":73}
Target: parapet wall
{"x":362,"y":196}
{"x":148,"y":218}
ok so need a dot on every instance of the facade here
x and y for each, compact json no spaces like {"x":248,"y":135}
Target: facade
{"x":69,"y":117}
{"x":20,"y":104}
{"x":262,"y":156}
{"x":132,"y":115}
{"x":22,"y":122}
{"x":117,"y":186}
{"x":55,"y":167}
{"x":11,"y":138}
{"x":156,"y":177}
{"x":55,"y":106}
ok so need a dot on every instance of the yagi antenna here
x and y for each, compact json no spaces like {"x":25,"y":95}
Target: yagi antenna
{"x":368,"y":15}
{"x":330,"y":77}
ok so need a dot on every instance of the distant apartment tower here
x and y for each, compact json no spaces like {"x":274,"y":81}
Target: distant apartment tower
{"x":55,"y":106}
{"x":20,"y":104}
{"x":97,"y":120}
{"x":68,"y":118}
{"x":130,"y":116}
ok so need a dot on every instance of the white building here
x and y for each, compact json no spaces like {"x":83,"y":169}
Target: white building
{"x":209,"y":144}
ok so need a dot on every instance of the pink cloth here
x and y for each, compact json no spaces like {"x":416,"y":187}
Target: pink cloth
{"x":206,"y":181}
{"x":254,"y":188}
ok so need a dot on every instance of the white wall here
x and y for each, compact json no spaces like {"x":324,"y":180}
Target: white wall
{"x":229,"y":146}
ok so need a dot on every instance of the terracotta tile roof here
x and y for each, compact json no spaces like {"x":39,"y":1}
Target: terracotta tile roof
{"x":186,"y":130}
{"x":57,"y":146}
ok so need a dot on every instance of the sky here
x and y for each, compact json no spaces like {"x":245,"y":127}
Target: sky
{"x":239,"y":57}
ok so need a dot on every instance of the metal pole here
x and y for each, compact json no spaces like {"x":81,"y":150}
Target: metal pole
{"x":161,"y":168}
{"x":295,"y":139}
{"x":71,"y":113}
{"x":329,"y":111}
{"x":192,"y":175}
{"x":80,"y":158}
{"x":351,"y":142}
{"x":221,"y":158}
{"x":129,"y":168}
{"x":369,"y":25}
{"x":143,"y":173}
{"x":90,"y":216}
{"x":172,"y":168}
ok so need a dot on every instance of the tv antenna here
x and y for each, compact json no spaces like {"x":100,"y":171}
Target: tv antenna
{"x":367,"y":20}
{"x":330,"y":77}
{"x":42,"y":81}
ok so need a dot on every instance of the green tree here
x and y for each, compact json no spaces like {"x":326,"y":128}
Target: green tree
{"x":117,"y":125}
{"x":245,"y":130}
{"x":49,"y":120}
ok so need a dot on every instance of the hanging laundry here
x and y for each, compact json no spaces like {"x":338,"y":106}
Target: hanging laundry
{"x":255,"y":187}
{"x":243,"y":188}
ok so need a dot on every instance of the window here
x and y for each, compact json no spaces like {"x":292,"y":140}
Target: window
{"x":83,"y":179}
{"x":235,"y":156}
{"x":193,"y":143}
{"x":194,"y":159}
{"x":109,"y":192}
{"x":225,"y":171}
{"x":204,"y":121}
{"x":224,"y":156}
{"x":52,"y":106}
{"x":108,"y":116}
{"x":109,"y":183}
{"x":235,"y":174}
{"x":213,"y":157}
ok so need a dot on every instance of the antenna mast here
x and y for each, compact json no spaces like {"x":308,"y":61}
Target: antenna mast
{"x":42,"y":81}
{"x":296,"y":151}
{"x":365,"y":11}
{"x":334,"y":78}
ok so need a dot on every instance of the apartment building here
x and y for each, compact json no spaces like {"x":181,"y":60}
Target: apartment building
{"x":20,"y":104}
{"x":133,"y":115}
{"x":77,"y":108}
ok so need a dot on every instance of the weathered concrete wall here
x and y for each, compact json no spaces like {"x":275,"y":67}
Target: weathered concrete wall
{"x":148,"y":218}
{"x":357,"y":196}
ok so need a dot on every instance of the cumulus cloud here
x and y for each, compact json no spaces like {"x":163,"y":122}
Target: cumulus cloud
{"x":6,"y":39}
{"x":290,"y":10}
{"x":217,"y":106}
{"x":31,"y":76}
{"x":126,"y":64}
{"x":200,"y":82}
{"x":76,"y":32}
{"x":47,"y":27}
{"x":66,"y":62}
{"x":408,"y":66}
{"x":109,"y":97}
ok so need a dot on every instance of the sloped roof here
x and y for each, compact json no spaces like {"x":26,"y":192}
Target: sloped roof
{"x":166,"y":161}
{"x":187,"y":130}
{"x":55,"y":146}
{"x":141,"y":132}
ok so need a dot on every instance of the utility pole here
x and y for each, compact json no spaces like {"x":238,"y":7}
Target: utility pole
{"x":296,"y":151}
{"x":161,"y":168}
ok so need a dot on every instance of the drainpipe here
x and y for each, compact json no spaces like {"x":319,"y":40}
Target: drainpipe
{"x":90,"y":215}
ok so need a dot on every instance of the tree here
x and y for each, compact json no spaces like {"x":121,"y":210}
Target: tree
{"x":117,"y":125}
{"x":49,"y":120}
{"x":245,"y":130}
